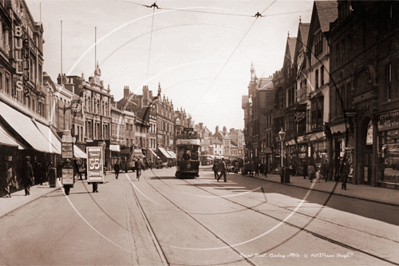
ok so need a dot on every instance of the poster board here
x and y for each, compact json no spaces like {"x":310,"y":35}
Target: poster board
{"x":67,"y":176}
{"x":95,"y":159}
{"x":67,"y":150}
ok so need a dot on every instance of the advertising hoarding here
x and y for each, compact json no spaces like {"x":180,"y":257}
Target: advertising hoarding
{"x":95,"y":159}
{"x":67,"y":176}
{"x":67,"y":150}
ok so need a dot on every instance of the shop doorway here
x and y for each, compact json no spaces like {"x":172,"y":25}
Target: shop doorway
{"x":337,"y":153}
{"x":366,"y":151}
{"x":367,"y":155}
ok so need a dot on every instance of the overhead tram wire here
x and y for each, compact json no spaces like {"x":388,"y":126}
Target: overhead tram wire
{"x":257,"y":15}
{"x":153,"y":6}
{"x":220,"y":13}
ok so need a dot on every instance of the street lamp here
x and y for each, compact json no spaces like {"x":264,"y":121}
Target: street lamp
{"x":281,"y":135}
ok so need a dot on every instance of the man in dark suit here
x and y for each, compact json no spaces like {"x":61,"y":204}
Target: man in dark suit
{"x":222,"y":170}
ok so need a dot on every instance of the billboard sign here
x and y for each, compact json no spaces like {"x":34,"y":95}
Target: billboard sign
{"x":95,"y":164}
{"x":188,"y":142}
{"x":67,"y":150}
{"x":67,"y":176}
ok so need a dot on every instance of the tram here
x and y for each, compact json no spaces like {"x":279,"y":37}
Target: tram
{"x":187,"y":144}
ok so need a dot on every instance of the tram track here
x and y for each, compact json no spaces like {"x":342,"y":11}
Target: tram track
{"x":300,"y":229}
{"x":248,"y":260}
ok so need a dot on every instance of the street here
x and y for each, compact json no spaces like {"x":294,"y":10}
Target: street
{"x":161,"y":220}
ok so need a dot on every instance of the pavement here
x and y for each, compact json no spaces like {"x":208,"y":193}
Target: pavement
{"x":18,"y":198}
{"x":364,"y":192}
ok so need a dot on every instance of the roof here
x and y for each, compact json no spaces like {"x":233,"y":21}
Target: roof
{"x":216,"y":141}
{"x":304,"y":32}
{"x":265,"y":83}
{"x":327,"y":12}
{"x":291,"y":45}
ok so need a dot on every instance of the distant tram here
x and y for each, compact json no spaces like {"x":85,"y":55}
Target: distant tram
{"x":188,"y":161}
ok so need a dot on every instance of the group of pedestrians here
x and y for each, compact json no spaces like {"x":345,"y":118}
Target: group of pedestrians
{"x":220,"y":167}
{"x":312,"y":172}
{"x":137,"y":164}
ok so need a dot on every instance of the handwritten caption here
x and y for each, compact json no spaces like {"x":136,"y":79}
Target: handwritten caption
{"x":297,"y":255}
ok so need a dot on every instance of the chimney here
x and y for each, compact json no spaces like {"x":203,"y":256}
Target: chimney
{"x":200,"y":125}
{"x":216,"y":129}
{"x":224,"y":130}
{"x":61,"y":79}
{"x":146,"y":101}
{"x":126,"y":92}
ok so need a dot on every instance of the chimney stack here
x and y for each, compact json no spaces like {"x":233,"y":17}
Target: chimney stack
{"x":126,"y":92}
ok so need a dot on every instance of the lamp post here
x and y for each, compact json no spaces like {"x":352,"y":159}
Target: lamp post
{"x":281,"y":135}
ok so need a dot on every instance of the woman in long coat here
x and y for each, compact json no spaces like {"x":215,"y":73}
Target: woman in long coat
{"x":27,"y":176}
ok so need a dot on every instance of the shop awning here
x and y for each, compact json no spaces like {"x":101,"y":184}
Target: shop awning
{"x":50,"y":136}
{"x":114,"y":147}
{"x":166,"y":154}
{"x":78,"y":153}
{"x":172,"y":154}
{"x":8,"y":140}
{"x":338,"y":128}
{"x":154,"y":154}
{"x":24,"y":126}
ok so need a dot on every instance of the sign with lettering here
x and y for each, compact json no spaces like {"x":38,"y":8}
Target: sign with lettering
{"x":188,"y":142}
{"x":67,"y":176}
{"x":95,"y":164}
{"x":67,"y":150}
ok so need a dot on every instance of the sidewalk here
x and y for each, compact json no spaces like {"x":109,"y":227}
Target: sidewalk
{"x":364,"y":192}
{"x":18,"y":198}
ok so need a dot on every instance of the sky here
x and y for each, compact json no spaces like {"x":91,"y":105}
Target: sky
{"x":200,"y":52}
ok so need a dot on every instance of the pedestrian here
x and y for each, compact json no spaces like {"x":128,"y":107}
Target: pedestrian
{"x":304,"y":169}
{"x":265,"y":169}
{"x":344,"y":174}
{"x":27,"y":176}
{"x":117,"y":168}
{"x":138,"y":169}
{"x":256,"y":168}
{"x":215,"y":169}
{"x":325,"y":170}
{"x":311,"y":172}
{"x":222,"y":169}
{"x":10,"y":178}
{"x":241,"y":166}
{"x":237,"y":167}
{"x":5,"y":178}
{"x":49,"y":167}
{"x":59,"y":169}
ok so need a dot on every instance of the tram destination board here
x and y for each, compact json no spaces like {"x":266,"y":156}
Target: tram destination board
{"x":188,"y":129}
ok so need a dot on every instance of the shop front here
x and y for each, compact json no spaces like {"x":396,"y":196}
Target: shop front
{"x":388,"y":150}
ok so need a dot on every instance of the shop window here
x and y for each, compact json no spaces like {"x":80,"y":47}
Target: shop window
{"x":388,"y":79}
{"x":317,"y":113}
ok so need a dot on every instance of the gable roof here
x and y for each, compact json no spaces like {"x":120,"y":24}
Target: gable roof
{"x":265,"y":83}
{"x":327,"y":12}
{"x":289,"y":52}
{"x":303,"y":33}
{"x":291,"y":42}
